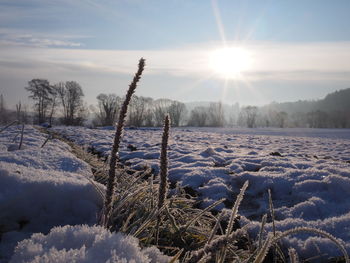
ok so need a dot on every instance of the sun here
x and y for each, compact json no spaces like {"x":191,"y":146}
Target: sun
{"x":230,"y":62}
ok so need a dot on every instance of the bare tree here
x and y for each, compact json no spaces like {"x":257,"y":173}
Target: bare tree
{"x":318,"y":119}
{"x":41,"y":91}
{"x":21,"y":113}
{"x":71,"y":94}
{"x":108,"y":106}
{"x":4,"y":118}
{"x":149,"y":115}
{"x":281,"y":118}
{"x":53,"y":103}
{"x":160,"y":109}
{"x":2,"y":103}
{"x":249,"y":114}
{"x":24,"y":115}
{"x":18,"y":111}
{"x":176,"y":111}
{"x":82,"y":114}
{"x":298,"y":119}
{"x":340,"y":119}
{"x":137,"y":111}
{"x":233,"y":114}
{"x":216,"y":115}
{"x":198,"y":116}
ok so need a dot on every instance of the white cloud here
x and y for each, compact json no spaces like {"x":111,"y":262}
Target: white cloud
{"x":322,"y":57}
{"x":270,"y":60}
{"x":18,"y":38}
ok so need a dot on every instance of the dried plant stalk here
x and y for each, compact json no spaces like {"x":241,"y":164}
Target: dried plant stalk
{"x":263,"y":222}
{"x":184,"y":229}
{"x":163,"y":174}
{"x":235,"y":208}
{"x":271,"y":241}
{"x":215,"y":228}
{"x":314,"y":231}
{"x":8,"y":125}
{"x":21,"y":141}
{"x":263,"y":250}
{"x":47,"y":139}
{"x":176,"y":257}
{"x":215,"y":245}
{"x":117,"y":138}
{"x":233,"y":216}
{"x":293,"y":256}
{"x":272,"y":213}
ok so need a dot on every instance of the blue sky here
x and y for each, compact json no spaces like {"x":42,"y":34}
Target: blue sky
{"x":300,"y":49}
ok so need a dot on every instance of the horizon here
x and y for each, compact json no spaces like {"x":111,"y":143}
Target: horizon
{"x":233,"y":52}
{"x":13,"y":107}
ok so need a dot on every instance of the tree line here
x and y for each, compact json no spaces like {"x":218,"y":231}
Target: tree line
{"x":65,"y":97}
{"x":63,"y":104}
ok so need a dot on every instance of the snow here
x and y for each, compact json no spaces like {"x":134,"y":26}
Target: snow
{"x":49,"y":208}
{"x":307,"y":171}
{"x":84,"y":244}
{"x":293,"y":132}
{"x":41,"y":188}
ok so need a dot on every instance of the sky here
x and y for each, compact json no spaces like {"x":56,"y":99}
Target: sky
{"x":270,"y":50}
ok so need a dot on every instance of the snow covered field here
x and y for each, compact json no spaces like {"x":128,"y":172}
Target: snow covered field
{"x":44,"y":191}
{"x":307,"y":170}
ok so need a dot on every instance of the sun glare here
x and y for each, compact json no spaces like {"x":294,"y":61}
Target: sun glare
{"x":231,"y":62}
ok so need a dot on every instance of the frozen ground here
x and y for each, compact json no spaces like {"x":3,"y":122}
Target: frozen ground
{"x":42,"y":188}
{"x":294,"y":132}
{"x":307,"y":170}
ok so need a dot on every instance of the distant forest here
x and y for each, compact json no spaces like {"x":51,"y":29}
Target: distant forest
{"x":331,"y":112}
{"x":63,"y":104}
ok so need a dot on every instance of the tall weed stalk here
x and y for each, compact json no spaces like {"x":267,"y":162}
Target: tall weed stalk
{"x":117,"y":138}
{"x":163,"y":174}
{"x":163,"y":167}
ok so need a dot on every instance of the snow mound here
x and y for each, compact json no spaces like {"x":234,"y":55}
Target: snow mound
{"x":84,"y":244}
{"x":35,"y":200}
{"x":41,"y":188}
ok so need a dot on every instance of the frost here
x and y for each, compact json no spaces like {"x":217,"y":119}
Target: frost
{"x":84,"y":244}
